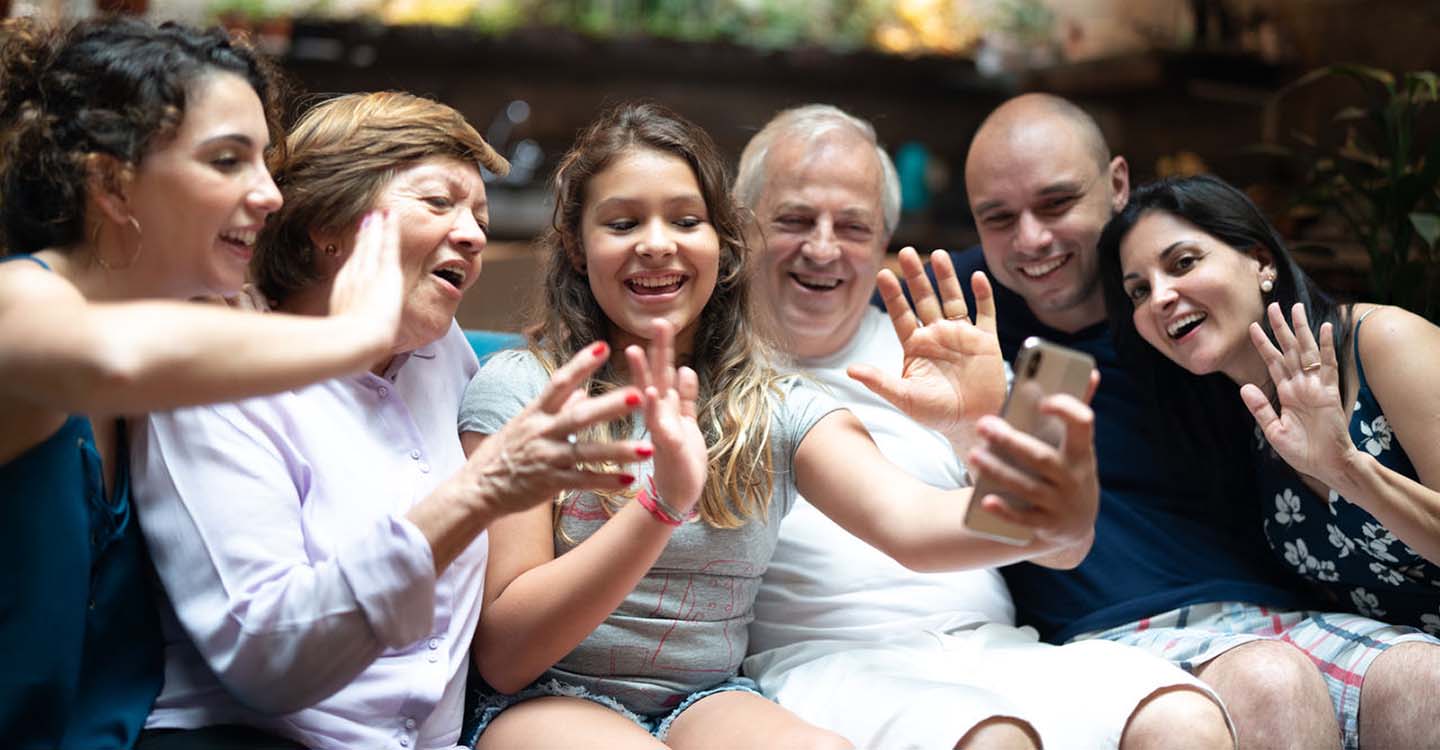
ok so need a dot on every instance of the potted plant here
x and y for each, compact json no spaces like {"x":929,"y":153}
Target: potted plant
{"x":1377,"y":168}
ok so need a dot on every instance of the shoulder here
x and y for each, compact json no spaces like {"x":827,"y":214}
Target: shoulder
{"x":24,"y":283}
{"x":500,"y":390}
{"x":1400,"y":352}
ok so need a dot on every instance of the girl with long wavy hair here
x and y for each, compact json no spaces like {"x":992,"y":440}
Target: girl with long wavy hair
{"x":618,"y":617}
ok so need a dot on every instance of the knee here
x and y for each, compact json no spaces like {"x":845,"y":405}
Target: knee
{"x":1000,"y":733}
{"x":810,"y":738}
{"x":1262,"y":676}
{"x":1174,"y":717}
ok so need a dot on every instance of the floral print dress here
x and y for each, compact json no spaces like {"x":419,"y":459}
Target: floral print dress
{"x":1340,"y":546}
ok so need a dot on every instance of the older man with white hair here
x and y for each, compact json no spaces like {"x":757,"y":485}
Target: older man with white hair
{"x":844,"y":636}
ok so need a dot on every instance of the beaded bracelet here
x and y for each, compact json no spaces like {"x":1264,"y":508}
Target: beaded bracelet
{"x":652,"y":501}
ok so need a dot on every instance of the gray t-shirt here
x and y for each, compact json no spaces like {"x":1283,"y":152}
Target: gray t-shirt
{"x":683,"y":628}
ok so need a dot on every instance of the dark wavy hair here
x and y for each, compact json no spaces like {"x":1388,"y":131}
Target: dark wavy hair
{"x":112,"y":87}
{"x":1202,"y":413}
{"x":738,"y":384}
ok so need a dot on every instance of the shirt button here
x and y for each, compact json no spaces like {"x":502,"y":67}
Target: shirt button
{"x":424,"y":468}
{"x":434,"y":643}
{"x":415,"y":454}
{"x":409,"y":723}
{"x":384,"y":391}
{"x":404,"y":742}
{"x":433,"y":658}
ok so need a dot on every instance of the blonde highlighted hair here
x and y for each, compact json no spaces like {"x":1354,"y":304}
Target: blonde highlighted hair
{"x":338,"y":158}
{"x":738,"y":384}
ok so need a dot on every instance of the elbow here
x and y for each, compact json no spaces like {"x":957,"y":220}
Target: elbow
{"x":501,"y":673}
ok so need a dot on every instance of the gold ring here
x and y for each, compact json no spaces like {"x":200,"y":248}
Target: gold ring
{"x":1313,"y":366}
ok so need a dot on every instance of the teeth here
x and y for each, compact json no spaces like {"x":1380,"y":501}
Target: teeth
{"x":824,"y":282}
{"x":1179,"y":324}
{"x":241,"y":236}
{"x":651,"y":282}
{"x":1042,"y":268}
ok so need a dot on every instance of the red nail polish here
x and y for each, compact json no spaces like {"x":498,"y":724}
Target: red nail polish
{"x":599,"y":349}
{"x":626,"y":480}
{"x":644,"y":451}
{"x":632,"y":399}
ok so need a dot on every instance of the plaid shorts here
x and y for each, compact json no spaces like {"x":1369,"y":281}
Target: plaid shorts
{"x":1342,"y":646}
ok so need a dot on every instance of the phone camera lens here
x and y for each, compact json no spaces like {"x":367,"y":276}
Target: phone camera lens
{"x":1034,"y":365}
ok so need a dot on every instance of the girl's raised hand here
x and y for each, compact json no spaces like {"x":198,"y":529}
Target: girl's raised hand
{"x":370,"y":285}
{"x":1311,"y":432}
{"x":681,"y":456}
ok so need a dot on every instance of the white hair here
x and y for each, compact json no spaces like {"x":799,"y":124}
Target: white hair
{"x":809,"y":123}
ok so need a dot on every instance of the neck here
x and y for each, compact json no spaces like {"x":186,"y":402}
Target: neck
{"x":1248,"y":367}
{"x":1073,"y":318}
{"x":80,"y":265}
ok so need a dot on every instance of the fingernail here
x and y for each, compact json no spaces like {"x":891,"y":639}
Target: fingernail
{"x":599,"y":349}
{"x":626,"y":480}
{"x":632,"y":399}
{"x":644,"y":451}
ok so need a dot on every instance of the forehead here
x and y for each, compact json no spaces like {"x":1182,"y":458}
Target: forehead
{"x":1015,"y":164}
{"x":640,"y":169}
{"x":221,"y":100}
{"x":836,"y":168}
{"x":440,"y":172}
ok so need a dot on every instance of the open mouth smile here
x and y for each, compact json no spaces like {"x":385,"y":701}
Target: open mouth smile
{"x":656,"y":285}
{"x":1183,"y":325}
{"x":1043,"y":269}
{"x":816,"y":283}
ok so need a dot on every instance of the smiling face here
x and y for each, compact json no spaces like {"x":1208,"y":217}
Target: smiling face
{"x":1040,"y":197}
{"x":650,"y":249}
{"x":824,"y":238}
{"x":443,"y":215}
{"x":202,"y":195}
{"x":1195,"y":296}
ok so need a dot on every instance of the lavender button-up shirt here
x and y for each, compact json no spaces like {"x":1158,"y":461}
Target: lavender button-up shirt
{"x":300,"y":600}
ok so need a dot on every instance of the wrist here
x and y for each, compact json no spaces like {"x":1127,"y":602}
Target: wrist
{"x":1351,"y":474}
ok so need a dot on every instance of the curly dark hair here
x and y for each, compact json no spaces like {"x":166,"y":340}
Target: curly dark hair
{"x":110,"y":87}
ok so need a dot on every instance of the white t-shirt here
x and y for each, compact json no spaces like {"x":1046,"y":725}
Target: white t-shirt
{"x":825,"y":584}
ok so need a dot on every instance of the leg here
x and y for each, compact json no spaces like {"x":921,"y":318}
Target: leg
{"x":1175,"y":718}
{"x":1000,"y":733}
{"x":1398,"y":702}
{"x":564,"y":722}
{"x":1275,"y":695}
{"x":732,"y":719}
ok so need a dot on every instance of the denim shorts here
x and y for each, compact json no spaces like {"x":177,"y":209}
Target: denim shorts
{"x":488,"y":704}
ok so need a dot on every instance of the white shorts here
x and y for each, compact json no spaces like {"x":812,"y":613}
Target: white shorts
{"x":929,"y":689}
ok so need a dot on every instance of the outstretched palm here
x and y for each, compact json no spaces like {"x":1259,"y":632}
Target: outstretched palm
{"x":1310,"y":432}
{"x":953,"y":372}
{"x":681,"y":456}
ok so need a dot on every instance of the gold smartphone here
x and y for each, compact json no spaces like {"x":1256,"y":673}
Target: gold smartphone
{"x":1041,"y":368}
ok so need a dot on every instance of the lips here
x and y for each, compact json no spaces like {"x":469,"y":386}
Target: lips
{"x":1043,"y":268}
{"x":240,"y":241}
{"x":816,"y":282}
{"x":654,"y":285}
{"x":1183,"y":325}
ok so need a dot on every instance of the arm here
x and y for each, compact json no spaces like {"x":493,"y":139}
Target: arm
{"x":539,"y":607}
{"x":841,"y":472}
{"x":62,"y":352}
{"x":1311,"y":431}
{"x":953,"y":372}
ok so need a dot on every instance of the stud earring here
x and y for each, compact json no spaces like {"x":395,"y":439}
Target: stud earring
{"x":1267,"y":285}
{"x":332,"y":250}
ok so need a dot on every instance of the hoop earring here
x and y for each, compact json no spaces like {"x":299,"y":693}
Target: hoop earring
{"x":139,"y":247}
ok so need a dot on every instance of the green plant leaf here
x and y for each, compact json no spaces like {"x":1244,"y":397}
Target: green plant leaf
{"x":1427,"y":225}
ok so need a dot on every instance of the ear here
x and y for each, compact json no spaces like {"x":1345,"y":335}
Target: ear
{"x":107,"y":183}
{"x":1262,"y":256}
{"x":1119,"y":183}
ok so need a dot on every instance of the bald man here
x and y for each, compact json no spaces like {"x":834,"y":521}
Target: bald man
{"x":1179,"y":569}
{"x":847,"y":638}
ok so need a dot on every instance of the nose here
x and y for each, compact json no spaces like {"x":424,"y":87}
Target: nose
{"x":1031,"y":234}
{"x":466,"y":235}
{"x":822,"y":246}
{"x":265,"y":198}
{"x":1163,"y":293}
{"x":655,"y":241}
